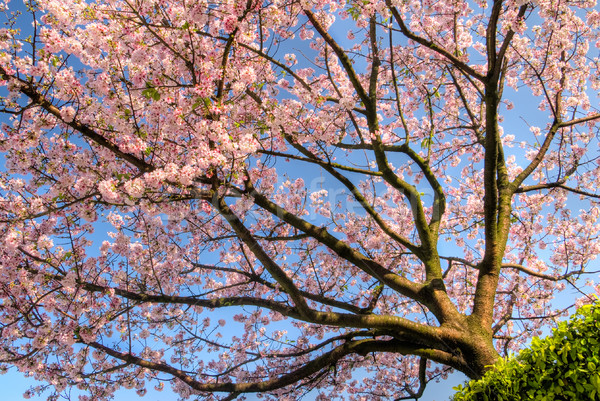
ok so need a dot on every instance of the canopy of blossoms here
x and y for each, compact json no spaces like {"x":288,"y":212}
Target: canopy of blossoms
{"x":342,"y":198}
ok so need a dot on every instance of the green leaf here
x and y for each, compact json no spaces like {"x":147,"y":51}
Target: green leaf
{"x":150,"y":92}
{"x":595,"y":380}
{"x":561,"y":366}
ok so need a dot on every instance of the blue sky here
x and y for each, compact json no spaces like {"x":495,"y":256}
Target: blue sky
{"x":14,"y":383}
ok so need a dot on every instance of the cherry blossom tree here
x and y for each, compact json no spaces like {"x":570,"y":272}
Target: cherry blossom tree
{"x":344,"y":197}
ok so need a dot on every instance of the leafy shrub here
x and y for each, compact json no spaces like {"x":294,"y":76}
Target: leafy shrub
{"x":563,"y":366}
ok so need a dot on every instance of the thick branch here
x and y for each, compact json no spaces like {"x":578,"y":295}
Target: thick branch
{"x":314,"y":297}
{"x":341,"y":248}
{"x":366,"y":321}
{"x":322,"y":163}
{"x":559,"y":184}
{"x":360,"y":347}
{"x":522,"y":269}
{"x":432,"y":46}
{"x":576,"y":121}
{"x":343,"y":57}
{"x":37,"y":98}
{"x":548,"y":277}
{"x":539,"y":157}
{"x":439,"y":204}
{"x":273,"y":268}
{"x":359,"y":198}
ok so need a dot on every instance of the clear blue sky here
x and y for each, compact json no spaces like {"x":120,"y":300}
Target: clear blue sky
{"x":14,"y":384}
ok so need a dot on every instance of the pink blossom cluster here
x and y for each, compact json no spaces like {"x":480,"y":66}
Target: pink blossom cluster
{"x":281,"y":197}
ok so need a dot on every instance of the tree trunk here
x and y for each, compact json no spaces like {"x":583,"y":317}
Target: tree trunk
{"x":478,"y":351}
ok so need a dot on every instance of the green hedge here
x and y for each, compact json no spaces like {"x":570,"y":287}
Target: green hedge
{"x":563,"y":366}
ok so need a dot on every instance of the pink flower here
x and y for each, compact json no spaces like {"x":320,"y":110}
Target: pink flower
{"x":12,"y":240}
{"x":135,"y":188}
{"x":67,"y":114}
{"x":107,"y":189}
{"x":229,"y":23}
